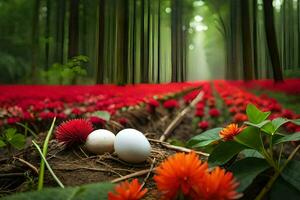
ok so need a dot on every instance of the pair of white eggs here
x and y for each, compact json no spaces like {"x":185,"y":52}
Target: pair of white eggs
{"x":129,"y":144}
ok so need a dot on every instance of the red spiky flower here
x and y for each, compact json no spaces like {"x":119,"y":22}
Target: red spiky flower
{"x":74,"y":131}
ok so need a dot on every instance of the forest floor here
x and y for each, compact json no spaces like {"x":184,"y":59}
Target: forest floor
{"x":76,"y":167}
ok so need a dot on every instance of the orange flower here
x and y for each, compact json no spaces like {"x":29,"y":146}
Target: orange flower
{"x":230,"y":131}
{"x":128,"y":191}
{"x":218,"y":185}
{"x":180,"y":174}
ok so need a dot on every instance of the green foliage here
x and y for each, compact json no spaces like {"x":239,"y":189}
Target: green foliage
{"x":65,"y":73}
{"x":287,"y":138}
{"x":246,"y":170}
{"x":224,"y":152}
{"x":256,"y":143}
{"x":102,"y":114}
{"x":205,"y":138}
{"x":255,"y":115}
{"x":11,"y":138}
{"x":91,"y":192}
{"x":283,"y":190}
{"x":291,"y":174}
{"x":251,"y":138}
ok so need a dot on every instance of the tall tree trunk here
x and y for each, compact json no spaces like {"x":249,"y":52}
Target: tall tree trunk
{"x":47,"y":34}
{"x":142,"y":42}
{"x":247,"y":41}
{"x":122,"y":41}
{"x":133,"y":42}
{"x":35,"y":40}
{"x":73,"y":28}
{"x":100,"y":67}
{"x":255,"y":38}
{"x":174,"y":48}
{"x":158,"y":43}
{"x":272,"y":41}
{"x":298,"y":21}
{"x":60,"y":30}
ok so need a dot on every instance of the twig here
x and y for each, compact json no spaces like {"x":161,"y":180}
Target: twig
{"x":177,"y":148}
{"x":180,"y":117}
{"x":183,"y":149}
{"x":151,"y":168}
{"x":135,"y":174}
{"x":31,"y":166}
{"x":11,"y":174}
{"x":88,"y":168}
{"x":83,"y":152}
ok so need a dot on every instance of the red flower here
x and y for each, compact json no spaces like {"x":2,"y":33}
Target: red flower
{"x":74,"y":131}
{"x":180,"y":173}
{"x":240,"y":117}
{"x":97,"y":120}
{"x":199,"y":113}
{"x":153,"y":103}
{"x":170,"y":104}
{"x":203,"y":125}
{"x":123,"y":121}
{"x":214,"y":112}
{"x":127,"y":191}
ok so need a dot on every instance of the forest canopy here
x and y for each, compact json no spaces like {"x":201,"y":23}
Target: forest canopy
{"x":133,"y":41}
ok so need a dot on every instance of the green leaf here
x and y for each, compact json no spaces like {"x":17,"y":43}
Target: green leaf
{"x":291,"y":174}
{"x":251,"y":153}
{"x":268,"y":128}
{"x":247,"y":169}
{"x":274,"y":125}
{"x":224,"y":152}
{"x":258,"y":125}
{"x":204,"y":138}
{"x":18,"y":141}
{"x":250,"y":137}
{"x":278,"y":122}
{"x":91,"y":192}
{"x":287,"y":138}
{"x":255,"y":115}
{"x":2,"y":144}
{"x":283,"y":190}
{"x":102,"y":114}
{"x":9,"y":133}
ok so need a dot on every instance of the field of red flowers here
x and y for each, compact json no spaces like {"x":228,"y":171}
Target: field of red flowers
{"x":217,"y":121}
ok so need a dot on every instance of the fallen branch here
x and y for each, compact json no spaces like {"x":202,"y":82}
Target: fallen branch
{"x":31,"y":166}
{"x":180,"y":117}
{"x":135,"y":174}
{"x":147,"y":177}
{"x":178,"y":148}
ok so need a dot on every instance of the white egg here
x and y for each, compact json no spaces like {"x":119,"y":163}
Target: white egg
{"x":132,"y":146}
{"x":100,"y":141}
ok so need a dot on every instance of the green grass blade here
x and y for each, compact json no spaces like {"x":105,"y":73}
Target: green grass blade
{"x":47,"y":165}
{"x":45,"y":149}
{"x":28,"y":129}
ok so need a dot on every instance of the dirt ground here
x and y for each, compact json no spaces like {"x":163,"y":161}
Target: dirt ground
{"x":77,"y":167}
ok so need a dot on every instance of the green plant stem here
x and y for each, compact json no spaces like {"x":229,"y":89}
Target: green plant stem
{"x":27,"y":129}
{"x":47,"y":165}
{"x":45,"y":149}
{"x":271,"y":147}
{"x":266,"y":189}
{"x":280,"y":153}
